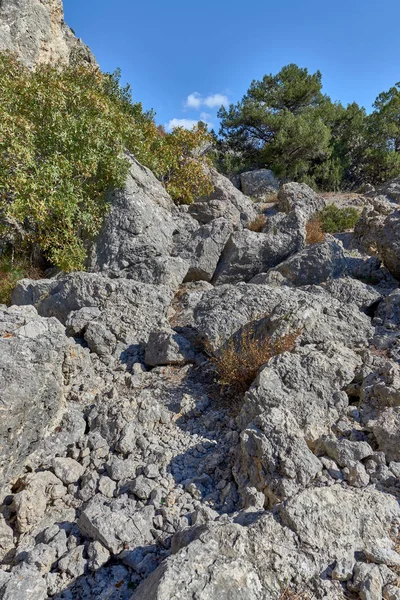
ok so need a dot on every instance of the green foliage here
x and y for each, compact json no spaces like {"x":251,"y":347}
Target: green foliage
{"x":63,"y":135}
{"x":285,"y":123}
{"x":337,"y":220}
{"x":10,"y":272}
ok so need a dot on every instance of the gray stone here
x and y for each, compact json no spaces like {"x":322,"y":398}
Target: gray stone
{"x":345,"y":452}
{"x":358,"y":477}
{"x":248,"y":253}
{"x":67,"y":469}
{"x":30,"y":504}
{"x":32,"y":355}
{"x":26,"y":584}
{"x":78,"y":320}
{"x":343,"y":570}
{"x":259,"y":184}
{"x":225,"y":201}
{"x":107,"y":487}
{"x":37,"y":33}
{"x":98,"y":555}
{"x":116,"y":523}
{"x":388,"y":245}
{"x":203,"y":249}
{"x":6,"y":537}
{"x":138,"y":233}
{"x":168,"y":348}
{"x":274,"y":457}
{"x":313,"y":265}
{"x":224,"y":310}
{"x":73,"y":562}
{"x":293,"y":196}
{"x":142,"y":305}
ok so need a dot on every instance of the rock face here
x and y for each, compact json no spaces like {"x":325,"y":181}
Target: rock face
{"x":225,"y":201}
{"x":129,"y":473}
{"x":35,"y":30}
{"x":259,"y":184}
{"x":32,"y":357}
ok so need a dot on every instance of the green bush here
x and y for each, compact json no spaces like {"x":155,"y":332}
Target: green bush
{"x":336,"y":220}
{"x":63,"y":134}
{"x":10,"y":272}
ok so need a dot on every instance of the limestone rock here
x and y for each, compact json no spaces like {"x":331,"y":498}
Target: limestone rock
{"x":36,"y":31}
{"x":168,"y":348}
{"x":293,"y":196}
{"x":67,"y":469}
{"x":313,"y":265}
{"x":138,"y":233}
{"x":259,"y":184}
{"x":225,"y":201}
{"x":32,"y":354}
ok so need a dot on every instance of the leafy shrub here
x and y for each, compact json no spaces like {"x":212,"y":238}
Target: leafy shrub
{"x":63,"y":134}
{"x":314,"y":231}
{"x":257,"y":223}
{"x":238,"y":361}
{"x":336,"y":220}
{"x":11,"y":272}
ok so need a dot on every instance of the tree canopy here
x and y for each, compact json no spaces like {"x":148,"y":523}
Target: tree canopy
{"x":285,"y":122}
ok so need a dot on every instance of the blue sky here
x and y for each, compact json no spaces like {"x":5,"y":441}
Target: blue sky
{"x":184,"y":58}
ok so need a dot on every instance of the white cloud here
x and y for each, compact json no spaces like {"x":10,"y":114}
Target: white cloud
{"x":196,"y":100}
{"x":216,"y":100}
{"x":186,"y":123}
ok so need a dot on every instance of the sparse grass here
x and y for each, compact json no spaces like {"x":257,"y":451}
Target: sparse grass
{"x":257,"y":223}
{"x":337,"y":220}
{"x":11,"y":272}
{"x":314,"y":231}
{"x":287,"y":593}
{"x":237,"y":362}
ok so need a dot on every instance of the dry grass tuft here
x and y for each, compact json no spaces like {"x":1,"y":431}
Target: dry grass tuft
{"x":314,"y":231}
{"x":239,"y":360}
{"x":257,"y":224}
{"x":288,"y":593}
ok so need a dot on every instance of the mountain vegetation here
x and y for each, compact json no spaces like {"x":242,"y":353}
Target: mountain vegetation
{"x":284,"y":122}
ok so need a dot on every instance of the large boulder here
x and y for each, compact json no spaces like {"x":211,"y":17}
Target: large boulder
{"x":293,"y":196}
{"x":224,"y":310}
{"x":313,"y":265}
{"x":202,"y":250}
{"x":32,"y":356}
{"x":225,"y":201}
{"x":36,"y":31}
{"x":138,"y":233}
{"x":259,"y":184}
{"x":388,"y":243}
{"x":248,"y":253}
{"x":391,"y":190}
{"x":129,"y":310}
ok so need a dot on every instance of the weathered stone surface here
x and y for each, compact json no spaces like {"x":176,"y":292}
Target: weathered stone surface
{"x":274,"y":457}
{"x":31,"y":503}
{"x":32,"y":354}
{"x":388,"y":243}
{"x":284,"y":384}
{"x":248,"y":253}
{"x":225,"y":309}
{"x":67,"y":469}
{"x":138,"y":233}
{"x":36,"y":31}
{"x":345,"y":452}
{"x":390,"y":189}
{"x":313,"y":265}
{"x":225,"y":201}
{"x":168,"y":348}
{"x":331,"y":520}
{"x":259,"y":184}
{"x":129,"y":310}
{"x":116,"y":523}
{"x":203,"y":249}
{"x":293,"y":196}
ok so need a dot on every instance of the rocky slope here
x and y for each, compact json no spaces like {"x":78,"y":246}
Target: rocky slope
{"x":35,"y":30}
{"x":126,"y":475}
